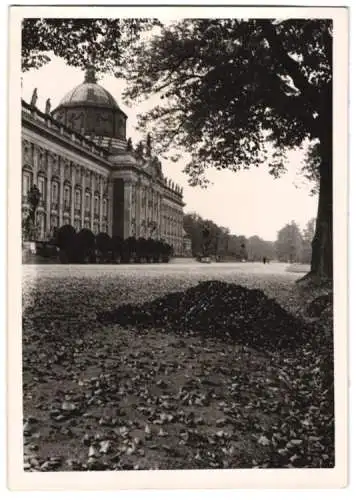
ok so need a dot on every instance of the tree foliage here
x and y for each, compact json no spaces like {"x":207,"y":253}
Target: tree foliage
{"x":29,"y":225}
{"x":103,"y":242}
{"x":210,"y":239}
{"x":289,"y":243}
{"x":308,"y":235}
{"x":311,"y":166}
{"x":102,"y":43}
{"x":65,"y":236}
{"x":227,"y":85}
{"x":258,"y":249}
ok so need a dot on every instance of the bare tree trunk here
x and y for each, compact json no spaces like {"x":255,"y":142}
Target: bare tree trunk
{"x":322,"y":245}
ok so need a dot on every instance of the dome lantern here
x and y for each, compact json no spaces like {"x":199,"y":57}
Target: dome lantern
{"x":90,"y":76}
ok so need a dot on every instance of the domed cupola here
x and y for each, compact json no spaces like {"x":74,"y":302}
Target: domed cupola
{"x":92,"y":111}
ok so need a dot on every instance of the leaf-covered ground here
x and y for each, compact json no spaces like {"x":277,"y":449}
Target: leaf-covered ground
{"x":113,"y":397}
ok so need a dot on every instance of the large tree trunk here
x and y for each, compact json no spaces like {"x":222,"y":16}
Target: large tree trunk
{"x":322,"y":246}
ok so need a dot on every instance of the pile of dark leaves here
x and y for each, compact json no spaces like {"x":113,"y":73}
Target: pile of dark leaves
{"x":317,"y":306}
{"x":219,"y":309}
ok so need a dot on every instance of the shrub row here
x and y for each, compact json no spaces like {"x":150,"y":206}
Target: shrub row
{"x":84,"y":247}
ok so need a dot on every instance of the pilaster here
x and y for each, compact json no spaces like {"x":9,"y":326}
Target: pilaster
{"x":61,"y":185}
{"x":72,"y":207}
{"x":138,"y":209}
{"x":82,"y":172}
{"x":127,"y":208}
{"x":101,"y":180}
{"x":48,"y":196}
{"x":92,"y":202}
{"x":110,"y":206}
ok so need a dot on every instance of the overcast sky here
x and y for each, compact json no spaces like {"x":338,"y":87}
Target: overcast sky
{"x":247,"y":202}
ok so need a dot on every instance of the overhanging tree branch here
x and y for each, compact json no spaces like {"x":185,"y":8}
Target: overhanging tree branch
{"x":300,"y":81}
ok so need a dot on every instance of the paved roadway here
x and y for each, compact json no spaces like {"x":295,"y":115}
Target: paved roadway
{"x":179,"y":266}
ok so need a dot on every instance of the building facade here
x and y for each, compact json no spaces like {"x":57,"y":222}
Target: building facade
{"x":89,"y":176}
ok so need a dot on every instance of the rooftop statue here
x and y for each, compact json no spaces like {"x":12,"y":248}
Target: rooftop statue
{"x":34,"y":98}
{"x":48,"y":107}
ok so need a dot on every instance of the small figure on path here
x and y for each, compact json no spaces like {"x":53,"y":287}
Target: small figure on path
{"x":264,"y":260}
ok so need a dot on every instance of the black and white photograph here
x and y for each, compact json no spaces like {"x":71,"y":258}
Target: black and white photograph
{"x":181,"y":221}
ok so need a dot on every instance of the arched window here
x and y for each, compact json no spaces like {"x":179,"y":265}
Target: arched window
{"x":26,"y":182}
{"x":54,"y":222}
{"x":78,"y":199}
{"x":66,"y":219}
{"x":41,"y":184}
{"x":87,"y":201}
{"x":55,"y":192}
{"x":41,"y":220}
{"x":105,"y":208}
{"x":77,"y":224}
{"x":96,"y":204}
{"x":67,"y":196}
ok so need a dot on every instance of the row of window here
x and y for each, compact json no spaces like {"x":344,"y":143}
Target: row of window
{"x":172,"y":228}
{"x":54,"y":224}
{"x":67,"y":194}
{"x":96,"y":226}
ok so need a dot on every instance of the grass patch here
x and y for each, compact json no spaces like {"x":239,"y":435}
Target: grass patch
{"x":298,"y":268}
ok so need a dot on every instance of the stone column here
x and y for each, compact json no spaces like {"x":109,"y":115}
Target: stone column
{"x":163,"y":219}
{"x":146,"y":212}
{"x":61,"y":185}
{"x":72,"y":195}
{"x":110,"y":206}
{"x":143,"y":209}
{"x":155,"y":212}
{"x":133,"y":227}
{"x":173,"y":229}
{"x":92,"y":202}
{"x":127,"y":208}
{"x":170,"y":224}
{"x":101,"y":203}
{"x":158,"y":216}
{"x":154,"y":218}
{"x":82,"y":172}
{"x":181,"y":232}
{"x":138,"y":209}
{"x":48,"y":194}
{"x":35,"y":164}
{"x":166,"y":224}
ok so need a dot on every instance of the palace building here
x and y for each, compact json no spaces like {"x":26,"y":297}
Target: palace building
{"x":88,"y":174}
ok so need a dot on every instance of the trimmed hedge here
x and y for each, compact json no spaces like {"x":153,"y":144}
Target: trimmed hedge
{"x":84,"y":247}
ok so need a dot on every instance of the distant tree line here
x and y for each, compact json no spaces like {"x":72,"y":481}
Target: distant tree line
{"x":294,"y":245}
{"x":208,"y":238}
